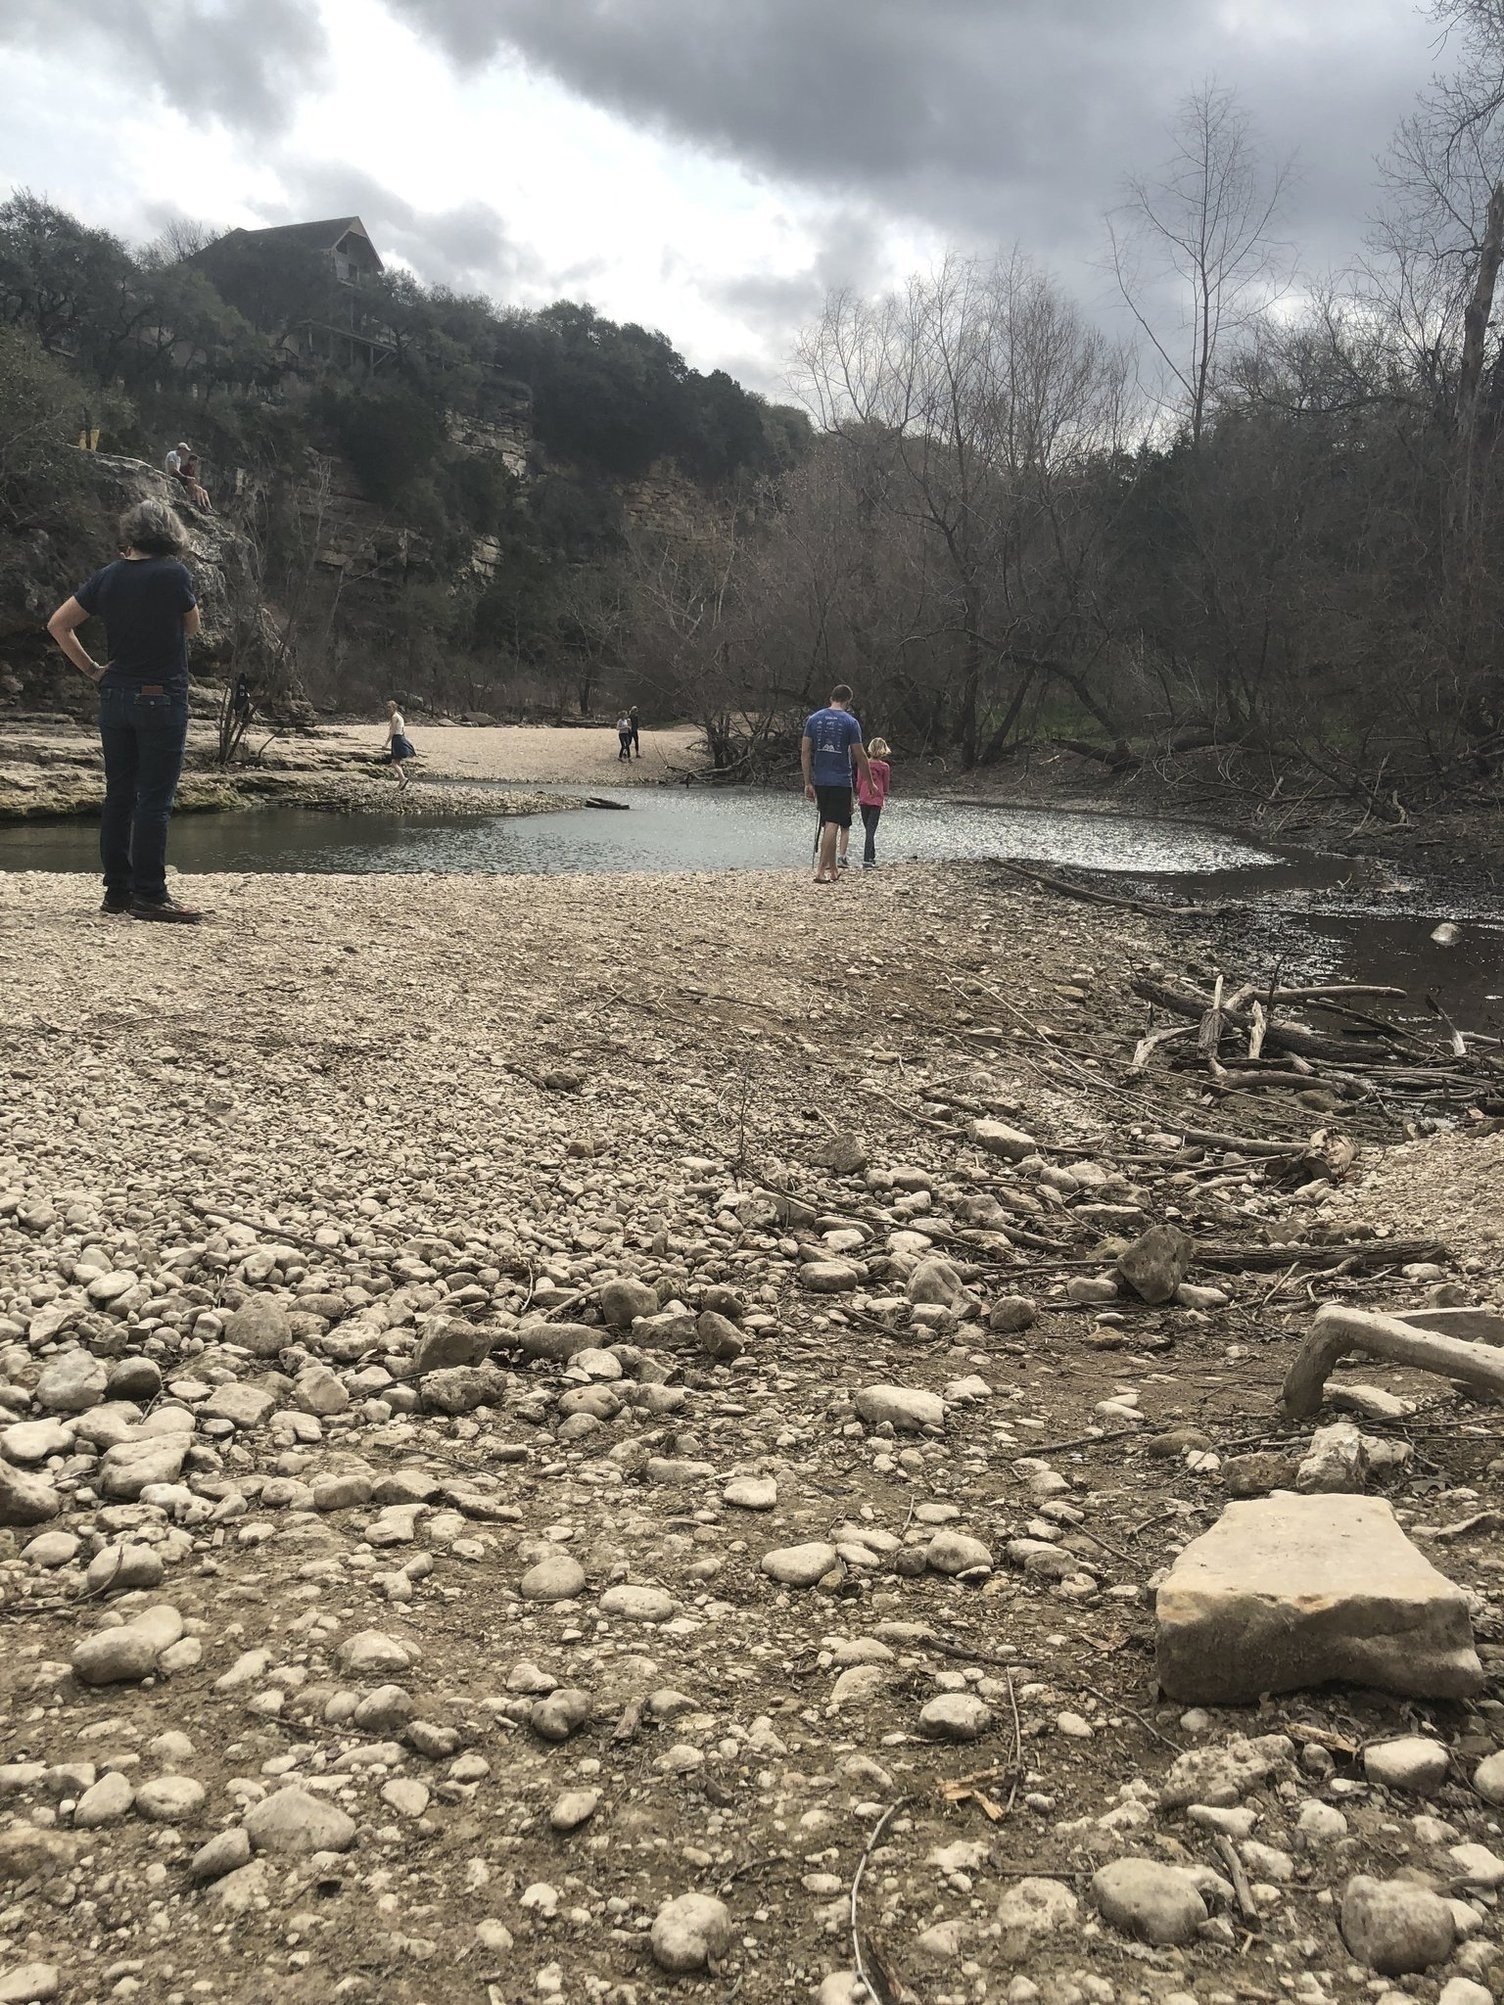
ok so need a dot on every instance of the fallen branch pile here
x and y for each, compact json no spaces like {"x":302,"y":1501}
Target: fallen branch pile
{"x":1246,"y":1041}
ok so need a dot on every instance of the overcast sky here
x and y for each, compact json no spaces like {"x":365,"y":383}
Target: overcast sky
{"x":710,"y":167}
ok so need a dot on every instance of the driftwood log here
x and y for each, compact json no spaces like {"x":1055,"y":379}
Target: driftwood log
{"x":1337,"y":1332}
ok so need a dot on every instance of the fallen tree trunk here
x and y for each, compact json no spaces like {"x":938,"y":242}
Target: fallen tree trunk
{"x":1337,"y":1332}
{"x":1356,"y":1253}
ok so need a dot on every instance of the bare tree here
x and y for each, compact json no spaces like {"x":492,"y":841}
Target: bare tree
{"x":1193,"y":248}
{"x":981,"y":394}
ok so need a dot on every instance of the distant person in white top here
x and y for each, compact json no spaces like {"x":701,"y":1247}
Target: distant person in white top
{"x":400,"y":747}
{"x":624,"y":737}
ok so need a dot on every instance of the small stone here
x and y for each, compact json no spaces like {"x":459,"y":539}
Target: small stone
{"x":719,"y":1337}
{"x":114,"y":1657}
{"x":860,"y":1685}
{"x":225,"y":1853}
{"x":1156,"y":1903}
{"x":1012,"y":1314}
{"x":951,"y":1552}
{"x":26,"y":1499}
{"x":562,"y":1713}
{"x":51,"y":1549}
{"x":1086,"y":1289}
{"x":751,"y":1493}
{"x":450,"y":1341}
{"x":1335,"y":1462}
{"x":556,"y":1577}
{"x":1463,"y":1991}
{"x":622,"y":1302}
{"x":574,"y":1808}
{"x":106,"y":1802}
{"x":638,"y":1604}
{"x":998,"y":1139}
{"x":169,"y":1798}
{"x":406,"y":1795}
{"x":259,"y":1326}
{"x":1032,"y":1908}
{"x":1154,"y":1265}
{"x":295,"y":1823}
{"x":800,"y":1566}
{"x":71,"y":1383}
{"x":29,"y":1984}
{"x":828,"y":1277}
{"x":372,"y":1654}
{"x":955,"y":1716}
{"x":118,"y":1568}
{"x":1412,"y":1762}
{"x":1396,"y":1927}
{"x":690,"y":1933}
{"x":1488,"y":1778}
{"x":32,"y":1441}
{"x":905,"y":1409}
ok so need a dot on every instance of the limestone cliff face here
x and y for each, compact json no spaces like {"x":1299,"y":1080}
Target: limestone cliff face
{"x":45,"y":559}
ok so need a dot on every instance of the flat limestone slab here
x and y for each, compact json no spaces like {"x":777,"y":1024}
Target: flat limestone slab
{"x":1288,"y":1591}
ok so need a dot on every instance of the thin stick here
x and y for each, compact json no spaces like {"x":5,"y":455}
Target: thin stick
{"x":1018,"y":1746}
{"x":1247,"y":1906}
{"x":856,"y":1888}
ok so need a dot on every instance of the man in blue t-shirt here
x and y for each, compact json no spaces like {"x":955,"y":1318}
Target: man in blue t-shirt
{"x":832,"y":741}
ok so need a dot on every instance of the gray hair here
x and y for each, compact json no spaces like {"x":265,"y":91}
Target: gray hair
{"x":154,"y":529}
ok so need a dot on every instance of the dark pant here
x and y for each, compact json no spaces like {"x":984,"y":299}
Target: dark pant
{"x":869,"y":823}
{"x":143,"y":739}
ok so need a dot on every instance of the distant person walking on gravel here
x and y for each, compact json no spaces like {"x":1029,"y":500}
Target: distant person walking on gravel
{"x":832,"y":742}
{"x":633,"y":720}
{"x":624,"y":738}
{"x":872,"y":798}
{"x":399,"y":747}
{"x":150,"y":614}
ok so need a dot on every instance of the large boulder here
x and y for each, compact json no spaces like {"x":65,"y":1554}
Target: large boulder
{"x":1289,"y":1591}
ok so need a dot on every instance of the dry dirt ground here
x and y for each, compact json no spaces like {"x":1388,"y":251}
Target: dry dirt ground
{"x":435,"y":1666}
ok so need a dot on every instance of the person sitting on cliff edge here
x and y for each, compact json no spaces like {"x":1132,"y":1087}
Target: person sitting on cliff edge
{"x":182,"y":466}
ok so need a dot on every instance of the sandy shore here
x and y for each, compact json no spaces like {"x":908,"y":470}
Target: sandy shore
{"x":521,"y":752}
{"x":52,"y":767}
{"x":368,"y":1630}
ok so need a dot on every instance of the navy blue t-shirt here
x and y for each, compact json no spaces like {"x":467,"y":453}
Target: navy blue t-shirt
{"x":832,"y":733}
{"x":142,"y":601}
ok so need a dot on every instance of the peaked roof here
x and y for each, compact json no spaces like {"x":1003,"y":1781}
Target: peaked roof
{"x":320,"y":236}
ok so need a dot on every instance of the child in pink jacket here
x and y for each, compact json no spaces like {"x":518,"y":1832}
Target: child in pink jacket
{"x":871,"y":795}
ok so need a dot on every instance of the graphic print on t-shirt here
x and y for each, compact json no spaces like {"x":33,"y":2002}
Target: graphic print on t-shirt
{"x":832,"y":733}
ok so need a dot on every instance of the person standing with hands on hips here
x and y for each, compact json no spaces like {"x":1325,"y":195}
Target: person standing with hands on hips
{"x":150,"y":614}
{"x":831,"y":744}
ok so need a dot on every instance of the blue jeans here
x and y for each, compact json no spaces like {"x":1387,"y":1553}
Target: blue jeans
{"x":143,"y":739}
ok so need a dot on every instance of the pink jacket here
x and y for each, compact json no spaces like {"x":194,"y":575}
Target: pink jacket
{"x":872,"y":792}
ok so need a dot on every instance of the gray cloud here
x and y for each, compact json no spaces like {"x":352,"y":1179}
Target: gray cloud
{"x":244,"y":62}
{"x":991,"y":120}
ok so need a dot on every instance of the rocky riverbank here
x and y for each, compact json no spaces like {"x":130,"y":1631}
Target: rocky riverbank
{"x":565,"y":1432}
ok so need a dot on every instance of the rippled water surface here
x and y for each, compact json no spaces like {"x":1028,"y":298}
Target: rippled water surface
{"x":661,"y":829}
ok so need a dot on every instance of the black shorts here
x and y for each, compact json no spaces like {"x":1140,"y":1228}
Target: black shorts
{"x":834,"y":804}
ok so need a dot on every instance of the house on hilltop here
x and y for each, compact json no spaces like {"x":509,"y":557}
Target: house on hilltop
{"x":301,"y":282}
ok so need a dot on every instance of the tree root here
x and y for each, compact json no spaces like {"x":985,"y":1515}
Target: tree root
{"x":1337,"y":1332}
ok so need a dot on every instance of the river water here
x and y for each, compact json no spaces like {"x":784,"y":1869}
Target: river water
{"x":660,"y":829}
{"x":1321,"y":914}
